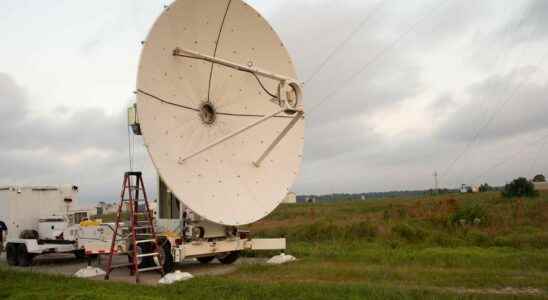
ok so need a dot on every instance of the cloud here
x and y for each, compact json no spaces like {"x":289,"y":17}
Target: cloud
{"x":514,"y":102}
{"x":417,"y":103}
{"x":86,"y":147}
{"x":531,"y":22}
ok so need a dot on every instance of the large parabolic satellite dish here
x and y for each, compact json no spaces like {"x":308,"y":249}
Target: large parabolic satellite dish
{"x":220,"y":109}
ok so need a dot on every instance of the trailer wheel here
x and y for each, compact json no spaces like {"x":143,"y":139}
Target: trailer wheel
{"x":145,"y":262}
{"x":229,"y":258}
{"x":24,"y":258}
{"x":139,"y":260}
{"x":80,"y":254}
{"x":11,"y":254}
{"x":167,"y":257}
{"x":205,"y":259}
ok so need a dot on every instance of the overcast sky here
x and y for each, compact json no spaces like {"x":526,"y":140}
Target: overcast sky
{"x":457,"y":87}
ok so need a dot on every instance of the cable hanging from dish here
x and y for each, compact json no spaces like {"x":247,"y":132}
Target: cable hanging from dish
{"x":261,"y":84}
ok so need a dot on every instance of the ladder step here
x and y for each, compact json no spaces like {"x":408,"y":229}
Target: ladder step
{"x":150,"y":269}
{"x":148,"y":254}
{"x":140,"y":223}
{"x":142,"y":227}
{"x":145,"y":241}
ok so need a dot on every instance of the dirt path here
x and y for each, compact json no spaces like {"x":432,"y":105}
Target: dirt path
{"x":66,"y":264}
{"x":527,"y":291}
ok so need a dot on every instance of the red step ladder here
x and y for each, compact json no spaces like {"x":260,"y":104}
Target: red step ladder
{"x":143,"y":250}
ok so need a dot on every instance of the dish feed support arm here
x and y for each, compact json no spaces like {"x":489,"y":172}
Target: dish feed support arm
{"x":245,"y":128}
{"x":289,"y":90}
{"x":229,"y":136}
{"x":278,"y":139}
{"x":289,"y":96}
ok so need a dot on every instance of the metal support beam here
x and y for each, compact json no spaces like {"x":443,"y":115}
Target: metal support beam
{"x":278,"y":139}
{"x":229,"y":136}
{"x":181,"y":52}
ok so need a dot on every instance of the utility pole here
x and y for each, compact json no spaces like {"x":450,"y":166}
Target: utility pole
{"x":436,"y":190}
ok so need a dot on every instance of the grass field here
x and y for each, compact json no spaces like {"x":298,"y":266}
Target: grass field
{"x":466,"y":246}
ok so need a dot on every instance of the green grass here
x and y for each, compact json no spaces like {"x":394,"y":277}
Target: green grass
{"x":19,"y":285}
{"x":471,"y":246}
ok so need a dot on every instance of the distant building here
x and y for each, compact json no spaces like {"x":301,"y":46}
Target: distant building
{"x":539,"y":178}
{"x":106,"y":208}
{"x":311,"y":200}
{"x":91,"y":211}
{"x":152,"y":206}
{"x":468,"y":189}
{"x":290,"y":198}
{"x":541,"y":186}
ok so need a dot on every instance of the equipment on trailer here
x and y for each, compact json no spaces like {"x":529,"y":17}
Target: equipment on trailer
{"x":220,"y":110}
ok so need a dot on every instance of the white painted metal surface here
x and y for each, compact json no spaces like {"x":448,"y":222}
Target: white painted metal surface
{"x":52,"y":228}
{"x":39,"y":248}
{"x":21,"y":208}
{"x":290,"y":198}
{"x":201,"y":248}
{"x":221,"y":183}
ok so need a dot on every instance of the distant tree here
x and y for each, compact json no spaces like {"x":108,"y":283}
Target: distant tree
{"x":539,"y":178}
{"x":520,"y":187}
{"x":485,"y":188}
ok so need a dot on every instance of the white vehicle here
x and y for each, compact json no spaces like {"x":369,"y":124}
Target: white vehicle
{"x":39,"y":220}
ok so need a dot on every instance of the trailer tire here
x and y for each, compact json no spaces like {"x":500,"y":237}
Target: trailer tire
{"x":139,"y":260}
{"x":80,"y":254}
{"x":205,"y":259}
{"x":167,"y":257}
{"x":11,"y":254}
{"x":24,"y":258}
{"x":229,"y":258}
{"x":146,"y":261}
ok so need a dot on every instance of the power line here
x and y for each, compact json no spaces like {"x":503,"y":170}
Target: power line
{"x":335,"y":50}
{"x":378,"y":56}
{"x":539,"y":152}
{"x":509,"y":158}
{"x":436,"y":185}
{"x":130,"y":148}
{"x":492,"y":117}
{"x":476,"y":135}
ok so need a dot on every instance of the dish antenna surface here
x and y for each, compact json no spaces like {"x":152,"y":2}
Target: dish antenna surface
{"x":220,"y":109}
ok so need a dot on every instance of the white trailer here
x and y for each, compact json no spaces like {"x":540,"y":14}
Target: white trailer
{"x":38,"y":220}
{"x":181,"y":235}
{"x":185,"y":235}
